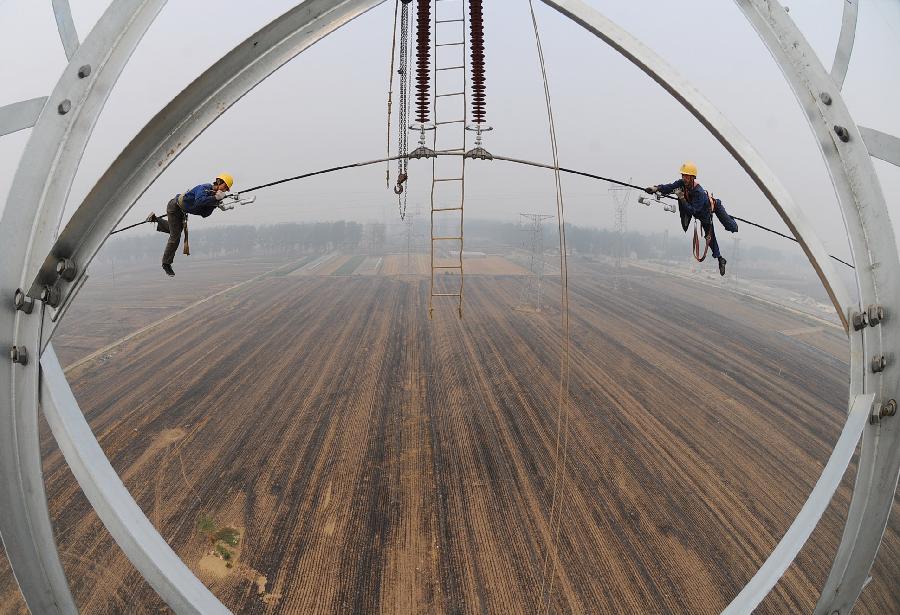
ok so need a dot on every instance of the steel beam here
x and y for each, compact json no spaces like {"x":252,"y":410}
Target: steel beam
{"x":723,"y":130}
{"x":126,"y":522}
{"x":845,"y":43}
{"x":881,"y":145}
{"x":28,"y":228}
{"x":874,"y":250}
{"x":20,"y":115}
{"x":66,"y":26}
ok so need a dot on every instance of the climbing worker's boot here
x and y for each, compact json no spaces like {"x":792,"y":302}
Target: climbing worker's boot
{"x":171,"y":272}
{"x":151,"y":217}
{"x":722,"y":262}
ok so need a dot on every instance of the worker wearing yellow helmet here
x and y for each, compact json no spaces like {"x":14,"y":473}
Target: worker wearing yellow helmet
{"x":695,"y":202}
{"x":201,"y":201}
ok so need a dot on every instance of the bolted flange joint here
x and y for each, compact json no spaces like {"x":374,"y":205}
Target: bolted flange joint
{"x":18,"y":354}
{"x":885,"y":410}
{"x":875,"y":314}
{"x":860,"y":320}
{"x":889,"y":408}
{"x":842,"y":133}
{"x":50,"y":295}
{"x":23,"y":302}
{"x":66,"y":269}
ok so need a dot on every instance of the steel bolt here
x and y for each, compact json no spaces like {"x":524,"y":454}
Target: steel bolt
{"x":18,"y":355}
{"x":23,"y":302}
{"x":875,"y":314}
{"x":842,"y":133}
{"x":84,"y":71}
{"x":860,"y":320}
{"x":889,"y":408}
{"x":66,"y":269}
{"x":50,"y":296}
{"x":878,"y":363}
{"x":64,"y":107}
{"x":826,"y":98}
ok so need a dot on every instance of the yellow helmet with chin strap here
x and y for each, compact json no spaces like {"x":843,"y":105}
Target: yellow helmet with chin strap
{"x":689,"y":168}
{"x":228,"y":179}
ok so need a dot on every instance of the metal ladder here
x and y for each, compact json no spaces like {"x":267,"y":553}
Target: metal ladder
{"x":448,"y":173}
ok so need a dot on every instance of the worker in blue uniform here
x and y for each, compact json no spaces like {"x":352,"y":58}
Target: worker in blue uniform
{"x":201,"y":201}
{"x":695,"y":202}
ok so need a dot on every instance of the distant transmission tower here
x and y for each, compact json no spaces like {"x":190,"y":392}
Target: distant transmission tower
{"x":620,"y":198}
{"x":532,"y":289}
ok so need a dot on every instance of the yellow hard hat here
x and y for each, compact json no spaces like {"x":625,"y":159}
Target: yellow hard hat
{"x":688,"y":168}
{"x":228,"y":179}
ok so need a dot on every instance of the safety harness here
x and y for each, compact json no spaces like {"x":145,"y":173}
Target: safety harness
{"x":708,"y":236}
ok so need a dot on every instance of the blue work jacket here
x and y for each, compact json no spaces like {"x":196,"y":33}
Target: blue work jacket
{"x":695,"y":202}
{"x":200,"y":200}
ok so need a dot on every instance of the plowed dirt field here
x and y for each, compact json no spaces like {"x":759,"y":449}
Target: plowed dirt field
{"x":374,"y":461}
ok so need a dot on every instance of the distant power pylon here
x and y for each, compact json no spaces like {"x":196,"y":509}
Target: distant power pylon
{"x":532,"y":288}
{"x":620,"y":198}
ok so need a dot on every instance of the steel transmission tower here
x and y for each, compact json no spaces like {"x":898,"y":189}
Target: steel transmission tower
{"x":620,"y":198}
{"x":532,"y":289}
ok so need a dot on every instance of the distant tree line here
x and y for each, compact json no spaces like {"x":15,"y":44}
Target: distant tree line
{"x":288,"y":238}
{"x":374,"y":238}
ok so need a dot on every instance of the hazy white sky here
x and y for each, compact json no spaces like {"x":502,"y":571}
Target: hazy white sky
{"x":328,"y":107}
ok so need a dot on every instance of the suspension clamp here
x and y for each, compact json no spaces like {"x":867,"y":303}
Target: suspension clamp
{"x":422,"y":152}
{"x":478,"y":152}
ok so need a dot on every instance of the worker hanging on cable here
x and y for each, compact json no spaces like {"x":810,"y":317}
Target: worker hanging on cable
{"x":695,"y":202}
{"x":201,"y":201}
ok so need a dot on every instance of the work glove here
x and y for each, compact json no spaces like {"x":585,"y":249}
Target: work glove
{"x":651,"y":189}
{"x":221,"y":195}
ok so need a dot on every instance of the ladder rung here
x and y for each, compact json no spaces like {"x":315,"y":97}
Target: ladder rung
{"x":446,"y":266}
{"x":449,"y":94}
{"x":446,"y":295}
{"x":446,"y":238}
{"x":449,"y":122}
{"x":447,"y":20}
{"x":447,"y":209}
{"x":451,"y":67}
{"x":448,"y":179}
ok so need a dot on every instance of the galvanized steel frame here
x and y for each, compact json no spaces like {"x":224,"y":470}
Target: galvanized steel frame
{"x":174,"y":128}
{"x":874,"y":250}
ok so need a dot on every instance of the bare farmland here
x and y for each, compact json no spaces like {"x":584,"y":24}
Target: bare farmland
{"x":372,"y":460}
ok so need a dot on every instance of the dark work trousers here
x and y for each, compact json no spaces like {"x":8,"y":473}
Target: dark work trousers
{"x":728,"y":223}
{"x":173,"y":226}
